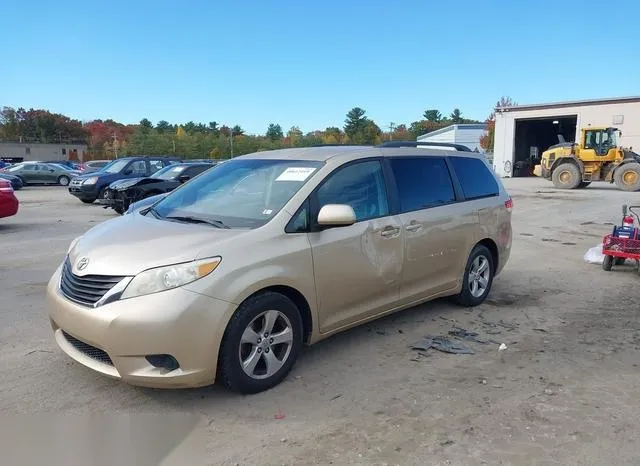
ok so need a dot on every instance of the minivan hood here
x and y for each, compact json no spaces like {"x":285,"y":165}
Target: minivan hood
{"x":127,"y":245}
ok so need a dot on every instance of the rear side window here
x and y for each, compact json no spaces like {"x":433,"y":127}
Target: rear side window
{"x":422,"y":182}
{"x":474,"y":176}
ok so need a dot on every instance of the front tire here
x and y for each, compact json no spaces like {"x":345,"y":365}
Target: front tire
{"x":478,"y":277}
{"x":63,"y":180}
{"x":88,"y":201}
{"x":566,"y":176}
{"x":627,"y":176}
{"x":261,"y":343}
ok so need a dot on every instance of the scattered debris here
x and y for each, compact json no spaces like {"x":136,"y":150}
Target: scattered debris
{"x":540,"y":330}
{"x":594,"y":255}
{"x":568,"y":243}
{"x":446,"y":443}
{"x":441,"y":344}
{"x":279,"y":416}
{"x":336,"y":397}
{"x":502,"y":347}
{"x":467,"y":335}
{"x":381,"y":332}
{"x":526,"y":234}
{"x":400,"y":330}
{"x":283,"y":440}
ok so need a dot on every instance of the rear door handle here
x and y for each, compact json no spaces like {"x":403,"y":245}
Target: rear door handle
{"x":414,"y":226}
{"x":389,"y":231}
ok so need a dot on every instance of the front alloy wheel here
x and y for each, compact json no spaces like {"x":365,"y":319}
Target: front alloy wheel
{"x":261,"y":343}
{"x":266,"y":344}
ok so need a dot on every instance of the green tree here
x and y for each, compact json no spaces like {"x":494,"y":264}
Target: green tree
{"x":164,"y":126}
{"x":274,"y":132}
{"x":433,"y":115}
{"x":456,"y":116}
{"x":355,"y":122}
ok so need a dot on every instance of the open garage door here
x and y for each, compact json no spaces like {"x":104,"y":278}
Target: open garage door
{"x":534,"y":136}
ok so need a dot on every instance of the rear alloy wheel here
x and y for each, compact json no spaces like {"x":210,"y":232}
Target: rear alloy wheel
{"x":566,"y":176}
{"x":261,"y":343}
{"x":478,"y":277}
{"x":627,"y":176}
{"x":63,"y":180}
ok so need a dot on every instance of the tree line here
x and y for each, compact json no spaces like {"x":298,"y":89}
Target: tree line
{"x":109,"y":138}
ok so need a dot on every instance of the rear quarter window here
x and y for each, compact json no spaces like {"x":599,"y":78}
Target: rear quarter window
{"x":476,"y":179}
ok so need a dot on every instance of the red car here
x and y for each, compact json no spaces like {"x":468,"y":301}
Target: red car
{"x":8,"y":201}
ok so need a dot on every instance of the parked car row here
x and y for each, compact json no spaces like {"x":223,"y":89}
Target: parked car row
{"x":120,"y":194}
{"x":42,"y":173}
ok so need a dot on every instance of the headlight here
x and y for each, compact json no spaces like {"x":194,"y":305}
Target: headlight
{"x":73,"y":244}
{"x":91,"y":180}
{"x":169,"y":277}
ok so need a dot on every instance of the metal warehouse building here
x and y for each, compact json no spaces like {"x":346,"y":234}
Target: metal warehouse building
{"x":465,"y":134}
{"x":523,"y":132}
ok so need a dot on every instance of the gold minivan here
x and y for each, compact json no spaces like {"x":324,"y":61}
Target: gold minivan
{"x":227,"y":277}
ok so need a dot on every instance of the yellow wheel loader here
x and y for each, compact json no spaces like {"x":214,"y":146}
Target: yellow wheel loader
{"x":596,"y":157}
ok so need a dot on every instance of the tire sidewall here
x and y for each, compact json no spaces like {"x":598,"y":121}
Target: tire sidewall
{"x":575,"y":171}
{"x":63,"y":177}
{"x":230,"y":369}
{"x":465,"y":297}
{"x":620,"y":172}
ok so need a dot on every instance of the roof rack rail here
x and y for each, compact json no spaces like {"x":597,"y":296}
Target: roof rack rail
{"x":458,"y":147}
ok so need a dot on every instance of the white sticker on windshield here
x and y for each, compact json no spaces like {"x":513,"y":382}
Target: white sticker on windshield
{"x":296,"y":174}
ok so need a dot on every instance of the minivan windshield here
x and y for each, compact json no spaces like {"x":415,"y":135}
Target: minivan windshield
{"x":240,"y":193}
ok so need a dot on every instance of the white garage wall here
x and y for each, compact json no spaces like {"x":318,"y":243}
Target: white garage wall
{"x":594,"y":114}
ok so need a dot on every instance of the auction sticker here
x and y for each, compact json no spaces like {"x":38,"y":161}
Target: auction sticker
{"x":296,"y":174}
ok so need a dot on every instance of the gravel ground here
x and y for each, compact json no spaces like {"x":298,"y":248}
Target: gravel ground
{"x":564,"y":392}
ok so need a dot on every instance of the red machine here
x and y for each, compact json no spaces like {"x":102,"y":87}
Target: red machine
{"x":624,"y":242}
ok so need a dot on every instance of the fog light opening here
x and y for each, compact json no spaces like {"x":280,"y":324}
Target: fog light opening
{"x":163,"y":361}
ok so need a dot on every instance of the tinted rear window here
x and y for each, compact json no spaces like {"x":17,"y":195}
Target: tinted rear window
{"x":475,"y":177}
{"x":422,"y":182}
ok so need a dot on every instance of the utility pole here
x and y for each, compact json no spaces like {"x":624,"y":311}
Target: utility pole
{"x":115,"y":144}
{"x":231,"y":135}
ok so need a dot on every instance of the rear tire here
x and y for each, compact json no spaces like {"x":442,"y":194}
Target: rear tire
{"x":63,"y":180}
{"x":607,"y":263}
{"x":566,"y":176}
{"x":250,"y":361}
{"x":627,"y":176}
{"x":478,"y":277}
{"x":88,"y":201}
{"x":584,"y":184}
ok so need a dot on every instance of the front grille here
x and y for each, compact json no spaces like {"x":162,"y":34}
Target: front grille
{"x":85,"y":290}
{"x":91,"y":351}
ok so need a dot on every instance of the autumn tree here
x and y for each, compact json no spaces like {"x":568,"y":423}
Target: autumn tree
{"x":274,"y":132}
{"x":487,"y":140}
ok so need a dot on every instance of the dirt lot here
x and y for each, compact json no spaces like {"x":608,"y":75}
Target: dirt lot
{"x":564,"y":392}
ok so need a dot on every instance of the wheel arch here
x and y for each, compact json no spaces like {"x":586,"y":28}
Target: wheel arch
{"x":298,"y":299}
{"x":493,"y":249}
{"x":576,"y":161}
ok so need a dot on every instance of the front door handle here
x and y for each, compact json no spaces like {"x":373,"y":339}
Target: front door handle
{"x":414,"y":226}
{"x":389,"y":231}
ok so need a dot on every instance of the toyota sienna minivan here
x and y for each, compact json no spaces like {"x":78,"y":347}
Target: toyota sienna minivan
{"x":227,"y":277}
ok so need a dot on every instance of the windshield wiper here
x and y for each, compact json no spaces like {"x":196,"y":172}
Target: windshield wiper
{"x":189,"y":219}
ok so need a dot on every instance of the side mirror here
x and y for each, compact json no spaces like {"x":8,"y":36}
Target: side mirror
{"x":336,"y":215}
{"x":184,"y":178}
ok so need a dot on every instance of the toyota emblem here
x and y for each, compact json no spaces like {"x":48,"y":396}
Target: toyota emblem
{"x":82,"y":263}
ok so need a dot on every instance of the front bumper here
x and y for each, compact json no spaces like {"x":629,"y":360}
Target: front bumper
{"x":115,"y":338}
{"x":83,"y":191}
